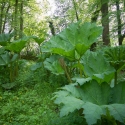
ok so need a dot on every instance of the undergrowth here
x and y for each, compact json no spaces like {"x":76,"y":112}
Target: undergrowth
{"x":29,"y":101}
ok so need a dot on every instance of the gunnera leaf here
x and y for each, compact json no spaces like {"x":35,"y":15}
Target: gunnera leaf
{"x":4,"y":58}
{"x":89,"y":109}
{"x":119,"y":93}
{"x":18,"y":45}
{"x":96,"y":67}
{"x":94,"y":99}
{"x":52,"y":64}
{"x":5,"y":38}
{"x":73,"y":40}
{"x":117,"y":111}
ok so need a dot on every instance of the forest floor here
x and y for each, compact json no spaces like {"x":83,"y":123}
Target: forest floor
{"x":30,"y":102}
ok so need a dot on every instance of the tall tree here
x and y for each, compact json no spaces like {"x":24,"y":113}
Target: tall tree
{"x":94,"y":20}
{"x":2,"y":7}
{"x":6,"y":16}
{"x":105,"y":22}
{"x":120,"y":35}
{"x":16,"y":18}
{"x":21,"y":19}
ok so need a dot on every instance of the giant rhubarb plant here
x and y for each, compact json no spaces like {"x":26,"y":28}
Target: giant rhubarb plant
{"x":116,"y":57}
{"x":96,"y":101}
{"x":9,"y":54}
{"x":73,"y":41}
{"x":92,"y":94}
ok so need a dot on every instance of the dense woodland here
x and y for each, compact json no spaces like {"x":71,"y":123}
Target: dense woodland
{"x":62,"y":62}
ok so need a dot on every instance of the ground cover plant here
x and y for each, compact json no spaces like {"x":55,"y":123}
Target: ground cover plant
{"x":29,"y":102}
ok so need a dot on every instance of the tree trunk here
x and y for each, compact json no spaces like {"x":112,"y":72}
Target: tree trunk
{"x":15,"y":19}
{"x":105,"y":22}
{"x":94,"y":20}
{"x":5,"y":19}
{"x":120,"y":36}
{"x":21,"y":19}
{"x":1,"y":15}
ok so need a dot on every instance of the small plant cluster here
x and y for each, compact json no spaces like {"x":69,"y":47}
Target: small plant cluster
{"x":10,"y":50}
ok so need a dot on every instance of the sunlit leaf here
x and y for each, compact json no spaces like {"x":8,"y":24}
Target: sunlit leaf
{"x":73,"y":41}
{"x":18,"y":45}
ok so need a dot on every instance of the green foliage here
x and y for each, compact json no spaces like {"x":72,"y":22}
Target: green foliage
{"x":73,"y":42}
{"x":6,"y":58}
{"x":9,"y":56}
{"x":5,"y":38}
{"x":9,"y":61}
{"x":4,"y":75}
{"x":30,"y":101}
{"x":36,"y":66}
{"x":71,"y":119}
{"x":52,"y":64}
{"x":38,"y":40}
{"x":27,"y":106}
{"x":96,"y":67}
{"x":17,"y":45}
{"x":95,"y":100}
{"x":116,"y":56}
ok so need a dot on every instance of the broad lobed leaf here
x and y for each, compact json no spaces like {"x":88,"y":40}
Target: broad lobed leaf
{"x":95,"y":100}
{"x":52,"y":64}
{"x":96,"y":67}
{"x":73,"y":40}
{"x":92,"y":112}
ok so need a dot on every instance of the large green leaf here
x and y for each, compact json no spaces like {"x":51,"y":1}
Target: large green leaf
{"x":4,"y":59}
{"x":94,"y":99}
{"x":70,"y":107}
{"x":96,"y":110}
{"x":53,"y":65}
{"x":117,"y":111}
{"x":5,"y":38}
{"x":119,"y":91}
{"x":2,"y":50}
{"x":18,"y":45}
{"x":76,"y":39}
{"x":38,"y":40}
{"x":96,"y":67}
